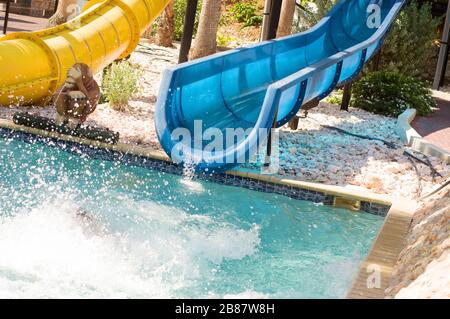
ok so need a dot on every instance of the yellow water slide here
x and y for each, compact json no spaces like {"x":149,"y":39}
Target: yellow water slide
{"x":33,"y":65}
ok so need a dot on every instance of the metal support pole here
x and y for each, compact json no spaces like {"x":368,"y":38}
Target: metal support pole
{"x":376,"y":61}
{"x":346,"y":96}
{"x":443,"y":52}
{"x":188,"y":30}
{"x":274,"y":20}
{"x":269,"y":142}
{"x":293,"y":123}
{"x":266,"y":20}
{"x":5,"y":23}
{"x":271,"y":33}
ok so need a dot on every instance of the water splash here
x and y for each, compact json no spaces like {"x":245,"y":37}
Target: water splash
{"x":189,"y":168}
{"x":344,"y":268}
{"x":189,"y":175}
{"x":53,"y":251}
{"x":75,"y":227}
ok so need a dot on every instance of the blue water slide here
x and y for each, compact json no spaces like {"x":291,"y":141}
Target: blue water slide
{"x":216,"y":110}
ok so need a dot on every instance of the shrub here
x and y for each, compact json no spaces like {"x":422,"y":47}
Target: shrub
{"x":335,"y":97}
{"x":224,"y":40}
{"x":121,"y":82}
{"x":410,"y":46}
{"x":390,"y":93}
{"x":247,"y":13}
{"x":180,"y":12}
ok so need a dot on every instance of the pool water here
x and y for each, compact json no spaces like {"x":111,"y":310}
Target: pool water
{"x":75,"y":227}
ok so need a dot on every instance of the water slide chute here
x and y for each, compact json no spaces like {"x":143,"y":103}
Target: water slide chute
{"x":251,"y":88}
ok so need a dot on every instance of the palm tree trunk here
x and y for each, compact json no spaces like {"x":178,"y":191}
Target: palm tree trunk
{"x":67,"y":9}
{"x":166,"y":27}
{"x":148,"y":34}
{"x":286,"y":18}
{"x":205,"y":41}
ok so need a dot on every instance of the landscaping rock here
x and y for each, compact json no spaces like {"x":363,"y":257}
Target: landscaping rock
{"x":423,"y":266}
{"x":334,"y":158}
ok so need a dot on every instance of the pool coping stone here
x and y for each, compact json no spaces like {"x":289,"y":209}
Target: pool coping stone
{"x":376,"y":271}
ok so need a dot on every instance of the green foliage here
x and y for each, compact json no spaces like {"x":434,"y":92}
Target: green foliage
{"x":223,"y":40}
{"x":180,"y":12}
{"x":439,"y":1}
{"x":121,"y":82}
{"x":247,"y":13}
{"x":390,"y":93}
{"x":410,"y":46}
{"x":311,"y":12}
{"x":335,"y":97}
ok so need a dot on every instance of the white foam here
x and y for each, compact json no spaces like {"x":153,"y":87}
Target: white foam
{"x":338,"y":270}
{"x":192,"y":185}
{"x":249,"y":294}
{"x":52,"y":252}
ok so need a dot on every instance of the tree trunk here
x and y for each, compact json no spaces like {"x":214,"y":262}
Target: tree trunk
{"x":148,"y":34}
{"x":166,"y":27}
{"x":67,"y":9}
{"x":286,"y":18}
{"x":205,"y":41}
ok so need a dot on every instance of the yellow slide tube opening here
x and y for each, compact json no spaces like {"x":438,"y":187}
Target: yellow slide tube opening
{"x":34,"y":64}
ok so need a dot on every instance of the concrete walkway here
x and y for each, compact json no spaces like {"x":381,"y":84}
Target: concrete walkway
{"x":436,"y":128}
{"x":17,"y":22}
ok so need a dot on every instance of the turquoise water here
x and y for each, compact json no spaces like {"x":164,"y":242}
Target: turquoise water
{"x":76,"y":227}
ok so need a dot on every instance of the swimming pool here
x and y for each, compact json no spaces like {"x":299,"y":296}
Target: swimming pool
{"x":71,"y":226}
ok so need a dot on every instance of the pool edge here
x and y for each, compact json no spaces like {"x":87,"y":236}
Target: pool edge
{"x":376,"y":270}
{"x":365,"y":197}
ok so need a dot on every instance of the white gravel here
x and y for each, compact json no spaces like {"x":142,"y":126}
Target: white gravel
{"x":317,"y":154}
{"x":312,"y":153}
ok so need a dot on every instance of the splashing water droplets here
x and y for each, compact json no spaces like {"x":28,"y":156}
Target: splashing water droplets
{"x":189,"y":174}
{"x":189,"y":167}
{"x":76,"y":227}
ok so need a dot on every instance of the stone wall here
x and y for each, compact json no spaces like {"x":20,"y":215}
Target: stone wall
{"x":424,"y":264}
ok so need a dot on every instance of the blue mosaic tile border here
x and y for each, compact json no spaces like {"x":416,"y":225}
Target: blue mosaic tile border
{"x":171,"y":168}
{"x":374,"y":208}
